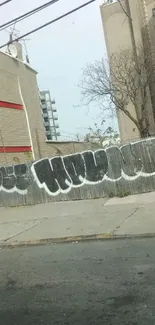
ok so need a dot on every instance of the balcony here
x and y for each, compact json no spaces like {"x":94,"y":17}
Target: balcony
{"x":46,"y":124}
{"x":57,"y":126}
{"x":54,"y":110}
{"x":45,"y":115}
{"x":44,"y":106}
{"x":55,"y":118}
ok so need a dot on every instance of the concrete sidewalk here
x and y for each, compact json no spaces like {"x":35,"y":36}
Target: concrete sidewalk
{"x":76,"y":220}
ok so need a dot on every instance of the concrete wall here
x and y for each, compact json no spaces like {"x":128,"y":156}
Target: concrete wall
{"x":126,"y":170}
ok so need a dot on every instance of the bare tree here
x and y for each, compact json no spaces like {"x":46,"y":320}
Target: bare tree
{"x":99,"y":135}
{"x":121,"y":81}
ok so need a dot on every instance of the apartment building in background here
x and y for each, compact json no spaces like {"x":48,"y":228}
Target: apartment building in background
{"x":50,"y":119}
{"x":118,"y":35}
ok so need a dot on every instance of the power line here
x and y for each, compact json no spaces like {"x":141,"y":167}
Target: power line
{"x":124,"y":10}
{"x":5,"y":2}
{"x":49,"y":23}
{"x":27,"y":14}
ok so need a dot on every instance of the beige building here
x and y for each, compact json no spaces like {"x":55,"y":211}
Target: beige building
{"x":22,"y":133}
{"x":20,"y":115}
{"x":118,"y":35}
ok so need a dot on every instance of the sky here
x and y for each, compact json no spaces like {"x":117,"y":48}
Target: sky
{"x":59,"y":52}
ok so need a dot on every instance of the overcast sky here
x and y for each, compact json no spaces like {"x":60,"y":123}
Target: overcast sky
{"x":59,"y":52}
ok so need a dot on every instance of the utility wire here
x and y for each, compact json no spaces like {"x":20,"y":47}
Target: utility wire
{"x":5,"y":2}
{"x":124,"y":9}
{"x":27,"y":14}
{"x":49,"y":23}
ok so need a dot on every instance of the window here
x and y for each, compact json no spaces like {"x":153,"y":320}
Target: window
{"x":44,"y":110}
{"x":46,"y":119}
{"x":49,"y":137}
{"x":47,"y":128}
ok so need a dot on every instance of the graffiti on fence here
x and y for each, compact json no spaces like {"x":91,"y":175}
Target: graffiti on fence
{"x":15,"y":178}
{"x":62,"y":173}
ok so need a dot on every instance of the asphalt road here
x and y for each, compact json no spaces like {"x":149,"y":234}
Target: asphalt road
{"x":109,"y":282}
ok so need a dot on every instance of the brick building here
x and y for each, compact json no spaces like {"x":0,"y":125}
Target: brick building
{"x":20,"y":115}
{"x":22,"y":133}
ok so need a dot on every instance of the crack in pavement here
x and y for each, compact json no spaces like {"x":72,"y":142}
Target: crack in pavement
{"x":16,"y":221}
{"x":21,"y":232}
{"x":130,"y":215}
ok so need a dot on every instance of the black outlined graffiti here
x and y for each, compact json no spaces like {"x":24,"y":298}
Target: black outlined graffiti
{"x":8,"y":179}
{"x":52,"y":175}
{"x":122,"y":162}
{"x":74,"y":165}
{"x":96,"y":165}
{"x":45,"y":176}
{"x":61,"y":174}
{"x":23,"y":178}
{"x":15,"y":178}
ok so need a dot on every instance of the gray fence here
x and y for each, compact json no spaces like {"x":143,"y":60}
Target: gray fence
{"x":116,"y":171}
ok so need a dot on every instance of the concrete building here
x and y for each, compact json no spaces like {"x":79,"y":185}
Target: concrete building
{"x":49,"y":117}
{"x":118,"y":35}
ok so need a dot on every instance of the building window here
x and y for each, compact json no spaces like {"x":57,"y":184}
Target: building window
{"x":48,"y":137}
{"x":47,"y":128}
{"x":46,"y":119}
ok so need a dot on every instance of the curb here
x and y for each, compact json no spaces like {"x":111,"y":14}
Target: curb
{"x":75,"y":239}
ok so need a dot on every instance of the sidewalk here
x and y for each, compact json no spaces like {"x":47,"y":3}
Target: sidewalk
{"x":76,"y":220}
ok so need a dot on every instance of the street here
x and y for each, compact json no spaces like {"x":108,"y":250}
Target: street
{"x":106,"y":282}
